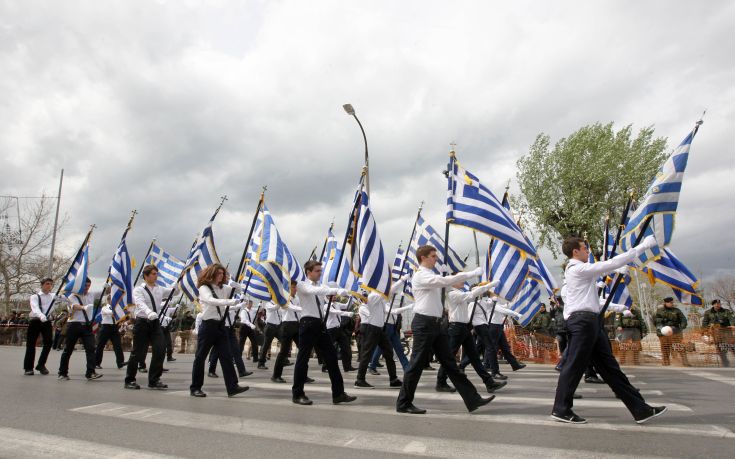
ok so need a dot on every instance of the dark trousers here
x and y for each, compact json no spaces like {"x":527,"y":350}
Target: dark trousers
{"x":428,"y":338}
{"x":146,"y":333}
{"x":342,"y":343}
{"x":312,"y":334}
{"x":248,"y":333}
{"x":289,"y":334}
{"x":58,"y":339}
{"x":107,"y":333}
{"x":392,"y":333}
{"x":497,"y":341}
{"x":460,"y":336}
{"x":236,"y":356}
{"x":212,"y":333}
{"x":588,"y":343}
{"x":373,"y":336}
{"x":36,"y":328}
{"x":78,"y":331}
{"x":269,"y":333}
{"x":167,"y":343}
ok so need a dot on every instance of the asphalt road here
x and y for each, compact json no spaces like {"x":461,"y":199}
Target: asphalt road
{"x":44,"y":417}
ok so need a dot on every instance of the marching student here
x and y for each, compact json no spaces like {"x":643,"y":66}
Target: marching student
{"x":289,"y":334}
{"x":229,"y":322}
{"x":79,"y":326}
{"x":498,"y":341}
{"x":339,"y":334}
{"x":148,"y":298}
{"x":248,"y":329}
{"x":166,"y":321}
{"x":460,"y":308}
{"x":588,"y":343}
{"x":273,"y":319}
{"x":313,"y":334}
{"x":428,"y":337}
{"x":39,"y":324}
{"x":214,"y":296}
{"x":371,"y":330}
{"x":393,"y":334}
{"x":109,"y":332}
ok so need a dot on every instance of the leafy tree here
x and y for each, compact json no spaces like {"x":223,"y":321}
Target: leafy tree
{"x":569,"y":189}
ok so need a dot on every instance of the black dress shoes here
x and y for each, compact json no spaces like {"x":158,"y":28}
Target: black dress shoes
{"x":302,"y":400}
{"x":238,"y":390}
{"x":410,"y":409}
{"x":655,"y":411}
{"x":495,"y":385}
{"x":278,"y":379}
{"x":309,"y":380}
{"x":343,"y":398}
{"x":499,"y":376}
{"x":445,"y":388}
{"x":132,"y":385}
{"x":481,"y":402}
{"x":198,"y":393}
{"x":569,"y":418}
{"x":158,"y":385}
{"x":246,"y":373}
{"x":520,"y":366}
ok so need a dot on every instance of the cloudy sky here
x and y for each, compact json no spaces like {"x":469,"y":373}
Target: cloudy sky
{"x":165,"y":106}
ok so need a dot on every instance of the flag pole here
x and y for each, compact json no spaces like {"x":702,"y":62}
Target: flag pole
{"x":324,"y":246}
{"x":403,"y":265}
{"x":140,"y":271}
{"x":63,"y":279}
{"x":450,"y":184}
{"x":354,"y":213}
{"x":98,"y":303}
{"x":489,"y":255}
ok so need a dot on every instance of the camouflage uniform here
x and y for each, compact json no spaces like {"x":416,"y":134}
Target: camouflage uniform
{"x":633,"y":329}
{"x":719,"y":325}
{"x":674,"y":318}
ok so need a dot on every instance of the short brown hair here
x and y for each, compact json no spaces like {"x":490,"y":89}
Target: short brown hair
{"x":424,"y":251}
{"x":571,"y":244}
{"x":311,"y":264}
{"x":46,"y":279}
{"x":149,"y":269}
{"x":208,"y":274}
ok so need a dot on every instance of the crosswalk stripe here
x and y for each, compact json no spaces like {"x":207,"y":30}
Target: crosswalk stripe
{"x":713,"y":377}
{"x":501,"y":397}
{"x":18,"y":443}
{"x":381,"y":442}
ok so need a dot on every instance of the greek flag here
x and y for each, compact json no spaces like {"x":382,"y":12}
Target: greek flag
{"x":169,"y":267}
{"x":508,"y":265}
{"x":670,"y":271}
{"x":202,"y":254}
{"x":660,"y":203}
{"x":471,"y":204}
{"x":426,"y":235}
{"x":252,"y":284}
{"x":121,"y":282}
{"x":528,"y":302}
{"x":395,"y":270}
{"x":367,"y":258}
{"x":347,"y":279}
{"x":77,"y":277}
{"x":275,"y":265}
{"x":622,"y":294}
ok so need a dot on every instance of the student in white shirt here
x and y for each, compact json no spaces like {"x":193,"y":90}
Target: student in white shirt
{"x":42,"y":306}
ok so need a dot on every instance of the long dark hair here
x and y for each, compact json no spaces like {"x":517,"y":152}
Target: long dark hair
{"x":208,"y":275}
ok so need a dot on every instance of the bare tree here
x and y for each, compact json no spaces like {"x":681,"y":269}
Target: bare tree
{"x":722,"y":288}
{"x":23,"y":262}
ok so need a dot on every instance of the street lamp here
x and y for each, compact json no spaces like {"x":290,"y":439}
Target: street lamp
{"x":350,"y":110}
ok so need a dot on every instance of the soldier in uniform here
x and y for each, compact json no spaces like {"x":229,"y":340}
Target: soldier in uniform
{"x":718,"y":323}
{"x":632,"y":329}
{"x":669,"y":315}
{"x":541,"y":328}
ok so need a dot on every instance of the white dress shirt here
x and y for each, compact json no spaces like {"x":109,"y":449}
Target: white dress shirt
{"x":197,"y":322}
{"x":374,"y":312}
{"x":107,"y":318}
{"x":395,"y":311}
{"x":482,"y":312}
{"x":336,"y":312}
{"x":38,"y":311}
{"x":214,"y":307}
{"x":460,"y":302}
{"x":77,"y":315}
{"x":291,"y":312}
{"x":247,"y":316}
{"x":580,"y":291}
{"x":307,"y":293}
{"x":500,"y":313}
{"x":143,"y":306}
{"x":273,"y":315}
{"x":427,"y":289}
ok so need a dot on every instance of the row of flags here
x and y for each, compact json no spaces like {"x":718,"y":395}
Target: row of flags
{"x":361,"y":265}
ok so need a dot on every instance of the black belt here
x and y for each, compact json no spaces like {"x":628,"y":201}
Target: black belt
{"x":584,"y":313}
{"x":428,"y":318}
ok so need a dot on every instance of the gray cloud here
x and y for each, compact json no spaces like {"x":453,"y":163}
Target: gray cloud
{"x":165,"y":106}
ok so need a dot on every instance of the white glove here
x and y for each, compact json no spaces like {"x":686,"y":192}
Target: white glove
{"x":43,"y":317}
{"x":351,"y":314}
{"x":476,"y":272}
{"x":648,"y":243}
{"x":342,"y":292}
{"x":233,"y":302}
{"x":152,"y":315}
{"x":494,"y":283}
{"x":165,"y":321}
{"x":332,"y":284}
{"x":623,"y":271}
{"x":405,"y":278}
{"x":600,"y":284}
{"x":518,"y":316}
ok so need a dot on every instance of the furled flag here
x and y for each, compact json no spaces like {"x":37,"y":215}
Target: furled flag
{"x":398,"y":269}
{"x":169,"y":267}
{"x":202,"y":254}
{"x":121,"y":282}
{"x":252,"y":284}
{"x":660,"y":203}
{"x":274,"y":263}
{"x":367,"y":258}
{"x":528,"y":302}
{"x":471,"y":204}
{"x":425,"y":234}
{"x":507,"y":265}
{"x":347,"y":279}
{"x":670,"y":271}
{"x":77,"y":277}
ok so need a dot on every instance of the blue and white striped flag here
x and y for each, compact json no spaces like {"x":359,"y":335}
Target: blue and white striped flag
{"x":347,"y":279}
{"x":202,"y":254}
{"x":367,"y":258}
{"x":275,"y":265}
{"x":471,"y":204}
{"x":660,"y":203}
{"x":395,"y":270}
{"x":509,"y":266}
{"x":425,"y":234}
{"x":77,"y":277}
{"x":670,"y":271}
{"x":169,"y":267}
{"x":252,"y":284}
{"x":121,"y":282}
{"x":528,"y":302}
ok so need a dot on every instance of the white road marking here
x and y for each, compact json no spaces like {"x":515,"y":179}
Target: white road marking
{"x":713,"y":377}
